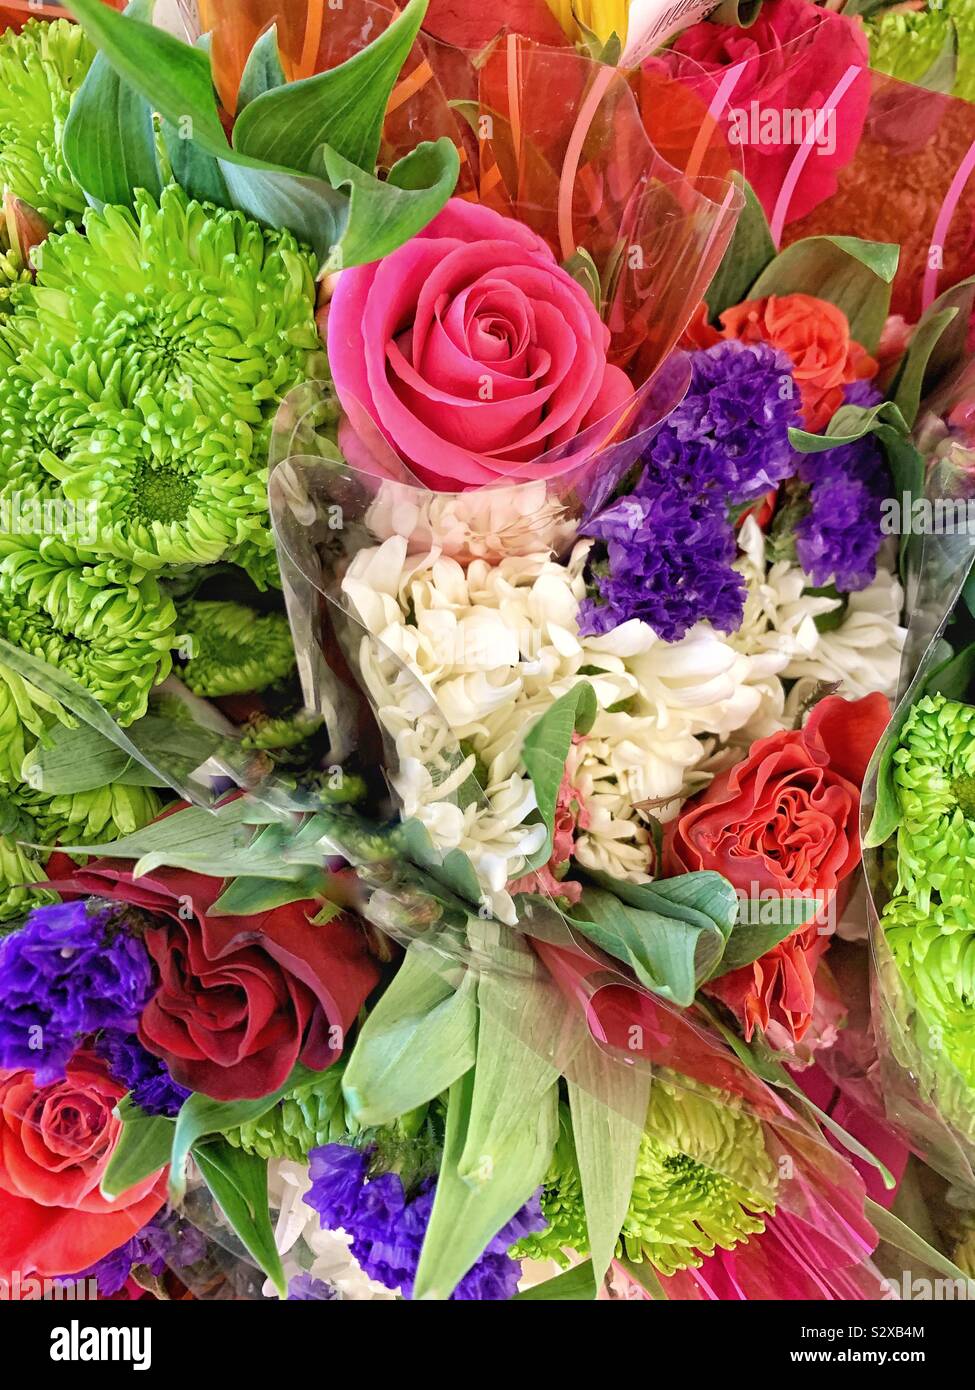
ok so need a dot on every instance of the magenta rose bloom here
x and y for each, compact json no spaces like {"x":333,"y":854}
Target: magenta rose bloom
{"x":793,"y":58}
{"x":471,"y":349}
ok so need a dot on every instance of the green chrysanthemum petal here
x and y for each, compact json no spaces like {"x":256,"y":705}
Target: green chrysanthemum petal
{"x":307,"y":1117}
{"x":153,"y":354}
{"x":905,"y":43}
{"x":934,"y":776}
{"x":703,"y":1179}
{"x":232,"y":649}
{"x":91,"y":817}
{"x":25,"y":714}
{"x":20,"y":866}
{"x":562,"y":1206}
{"x":41,"y":68}
{"x":106,"y":625}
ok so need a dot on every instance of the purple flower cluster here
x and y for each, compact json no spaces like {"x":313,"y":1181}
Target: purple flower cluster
{"x":388,"y":1227}
{"x":304,"y":1288}
{"x":69,"y":972}
{"x":670,"y":542}
{"x":167,"y":1242}
{"x":838,"y":539}
{"x":147,"y":1077}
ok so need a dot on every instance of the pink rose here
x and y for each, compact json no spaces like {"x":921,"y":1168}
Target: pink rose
{"x":471,"y":349}
{"x":793,"y":58}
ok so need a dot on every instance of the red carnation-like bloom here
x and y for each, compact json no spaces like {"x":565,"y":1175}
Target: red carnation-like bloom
{"x":785,"y":820}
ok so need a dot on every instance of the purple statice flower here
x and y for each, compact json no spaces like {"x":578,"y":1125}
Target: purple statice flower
{"x":838,"y":539}
{"x":147,"y":1077}
{"x":387,"y":1226}
{"x":670,"y":543}
{"x":304,"y":1288}
{"x":70,"y":971}
{"x":167,"y":1242}
{"x":862,"y":393}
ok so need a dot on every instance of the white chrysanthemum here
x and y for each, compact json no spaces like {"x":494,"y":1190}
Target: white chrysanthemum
{"x":864,"y":652}
{"x":475,"y":657}
{"x":304,"y":1247}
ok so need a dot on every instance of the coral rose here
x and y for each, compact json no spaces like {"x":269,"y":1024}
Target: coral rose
{"x":784,"y":820}
{"x":55,"y":1144}
{"x":471,"y":349}
{"x":816,"y":336}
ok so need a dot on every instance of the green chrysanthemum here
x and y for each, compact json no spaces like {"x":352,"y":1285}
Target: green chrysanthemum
{"x":232,"y":649}
{"x":307,"y":1117}
{"x":20,"y":867}
{"x":153,"y":353}
{"x":104,"y":624}
{"x":906,"y":43}
{"x":562,"y":1206}
{"x":283,"y":731}
{"x":25,"y":714}
{"x":934,"y":776}
{"x":41,"y":68}
{"x":703,"y":1180}
{"x":91,"y":817}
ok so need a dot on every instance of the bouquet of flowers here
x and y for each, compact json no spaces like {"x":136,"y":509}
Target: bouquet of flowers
{"x":451,"y":605}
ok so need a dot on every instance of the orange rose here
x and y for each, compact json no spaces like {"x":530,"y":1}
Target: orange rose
{"x":816,"y":336}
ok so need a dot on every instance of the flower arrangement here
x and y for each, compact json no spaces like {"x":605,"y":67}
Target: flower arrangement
{"x":450,"y":631}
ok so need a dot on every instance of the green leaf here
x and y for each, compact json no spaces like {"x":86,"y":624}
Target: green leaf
{"x":467,"y":1215}
{"x":417,"y":1041}
{"x":850,"y":423}
{"x":750,"y":940}
{"x":308,"y":207}
{"x":953,"y":678}
{"x":194,"y":168}
{"x":200,"y":1116}
{"x":143,"y":1148}
{"x":583,"y":269}
{"x":82,"y":759}
{"x":502,"y":1115}
{"x":173,"y":76}
{"x":385,"y":213}
{"x":108,"y":141}
{"x":893,"y":1231}
{"x":342,"y":107}
{"x":262,"y":71}
{"x":645,"y":1275}
{"x":246,"y":896}
{"x":909,"y":387}
{"x":609,"y":1103}
{"x":672,"y":934}
{"x":575,"y":1285}
{"x":185,"y":837}
{"x":238,"y":1182}
{"x":546,"y":748}
{"x":854,"y":275}
{"x":750,"y":250}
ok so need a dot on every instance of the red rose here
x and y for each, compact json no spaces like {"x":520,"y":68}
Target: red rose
{"x":55,"y":1144}
{"x":789,"y":64}
{"x":784,"y":819}
{"x":240,"y":999}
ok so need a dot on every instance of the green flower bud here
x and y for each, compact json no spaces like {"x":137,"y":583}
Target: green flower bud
{"x":232,"y":649}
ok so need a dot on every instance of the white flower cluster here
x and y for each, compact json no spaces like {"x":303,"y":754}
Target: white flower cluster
{"x":461,"y":662}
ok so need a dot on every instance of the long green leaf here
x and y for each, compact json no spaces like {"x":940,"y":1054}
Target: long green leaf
{"x":143,"y":1148}
{"x":238,"y":1182}
{"x":418,"y":1040}
{"x":609,"y":1111}
{"x":342,"y":107}
{"x":546,"y":748}
{"x":853,"y":274}
{"x":245,"y":896}
{"x":466,"y":1216}
{"x":750,"y":250}
{"x":108,"y":141}
{"x":575,"y":1285}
